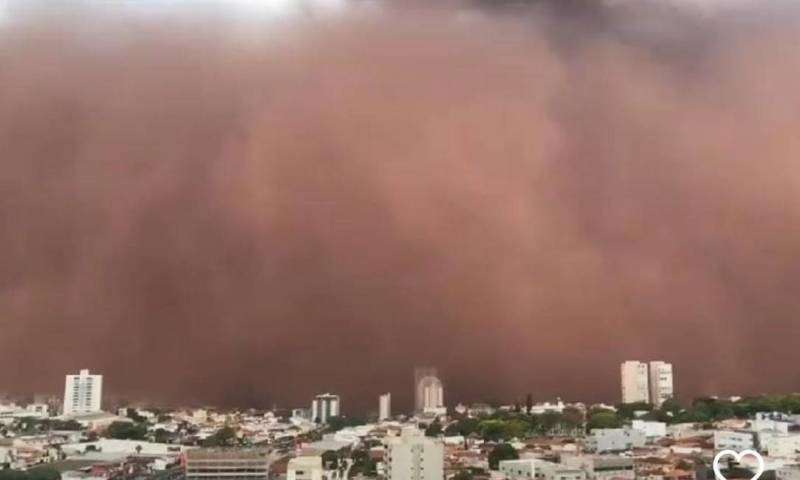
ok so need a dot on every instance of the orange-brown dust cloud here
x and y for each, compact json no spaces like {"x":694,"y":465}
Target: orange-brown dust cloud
{"x":245,"y":208}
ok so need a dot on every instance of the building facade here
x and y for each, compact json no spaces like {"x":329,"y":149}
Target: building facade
{"x":226,"y":464}
{"x":325,"y":406}
{"x":604,"y":440}
{"x":83,"y":393}
{"x":734,"y":440}
{"x":517,"y":469}
{"x":634,"y":382}
{"x":385,"y":406}
{"x":428,"y":390}
{"x":305,"y":468}
{"x":660,"y":382}
{"x":413,"y":456}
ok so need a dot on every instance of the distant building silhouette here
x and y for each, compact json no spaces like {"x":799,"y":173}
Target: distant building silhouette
{"x":428,"y":390}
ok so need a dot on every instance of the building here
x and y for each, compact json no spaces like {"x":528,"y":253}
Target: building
{"x":428,"y":391}
{"x":325,"y":406}
{"x":301,"y":413}
{"x":514,"y":469}
{"x":123,"y":447}
{"x":96,"y":420}
{"x":734,"y":440}
{"x":604,"y":440}
{"x":557,"y":471}
{"x":305,"y":468}
{"x":385,"y":407}
{"x":40,"y":410}
{"x":660,"y":382}
{"x":226,"y":464}
{"x":634,"y":382}
{"x":652,"y":430}
{"x":602,"y":467}
{"x":782,"y":445}
{"x":788,"y":472}
{"x":413,"y":456}
{"x":83,"y":393}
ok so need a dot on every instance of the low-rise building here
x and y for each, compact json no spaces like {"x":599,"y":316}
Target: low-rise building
{"x":652,"y":430}
{"x":734,"y":440}
{"x":556,"y":471}
{"x":226,"y":464}
{"x":518,"y":469}
{"x":305,"y":468}
{"x":788,"y":472}
{"x":603,"y":440}
{"x":783,"y":445}
{"x":602,"y":467}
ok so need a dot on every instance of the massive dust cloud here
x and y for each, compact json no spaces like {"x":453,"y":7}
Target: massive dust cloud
{"x":247,"y":209}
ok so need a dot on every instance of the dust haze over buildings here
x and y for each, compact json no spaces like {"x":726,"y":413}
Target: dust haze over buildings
{"x":217,"y":207}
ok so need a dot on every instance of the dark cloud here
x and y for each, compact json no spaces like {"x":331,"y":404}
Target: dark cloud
{"x":214,"y":207}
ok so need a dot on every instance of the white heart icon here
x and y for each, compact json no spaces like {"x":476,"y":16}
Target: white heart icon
{"x":738,"y":456}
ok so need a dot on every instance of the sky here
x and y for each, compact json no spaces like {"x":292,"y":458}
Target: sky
{"x":212,"y":205}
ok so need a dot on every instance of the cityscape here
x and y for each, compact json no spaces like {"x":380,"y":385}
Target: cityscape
{"x":647,"y":435}
{"x":399,"y":239}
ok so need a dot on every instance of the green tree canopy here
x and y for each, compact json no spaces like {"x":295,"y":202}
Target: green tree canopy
{"x":503,"y":451}
{"x":603,"y":419}
{"x":127,"y":431}
{"x":37,"y":473}
{"x":434,"y":429}
{"x":339,"y":422}
{"x":627,"y":410}
{"x":462,"y":475}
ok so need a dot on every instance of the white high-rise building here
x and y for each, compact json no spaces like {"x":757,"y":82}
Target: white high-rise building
{"x":324,"y":406}
{"x":83,"y":393}
{"x":660,"y":382}
{"x":385,"y":407}
{"x":413,"y":456}
{"x":428,"y":390}
{"x":634,"y":382}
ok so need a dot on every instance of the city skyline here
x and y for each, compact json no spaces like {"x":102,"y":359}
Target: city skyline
{"x":255,"y":210}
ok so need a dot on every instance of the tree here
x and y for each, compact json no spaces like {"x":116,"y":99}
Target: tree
{"x":434,"y":429}
{"x":330,"y":460}
{"x":44,"y":473}
{"x":37,"y":473}
{"x":627,"y":410}
{"x":500,"y":452}
{"x":162,"y":436}
{"x":464,"y":426}
{"x":603,"y":419}
{"x":133,"y":414}
{"x":528,"y":403}
{"x":127,"y":431}
{"x":339,"y":422}
{"x":224,"y":437}
{"x":491,"y":430}
{"x":462,"y":475}
{"x":362,"y":464}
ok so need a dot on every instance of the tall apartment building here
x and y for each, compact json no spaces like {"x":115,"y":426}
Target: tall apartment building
{"x":413,"y":456}
{"x":660,"y":382}
{"x":226,"y":464}
{"x":385,"y":406}
{"x":428,"y":390}
{"x":634,"y":382}
{"x":324,"y":406}
{"x":83,"y":393}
